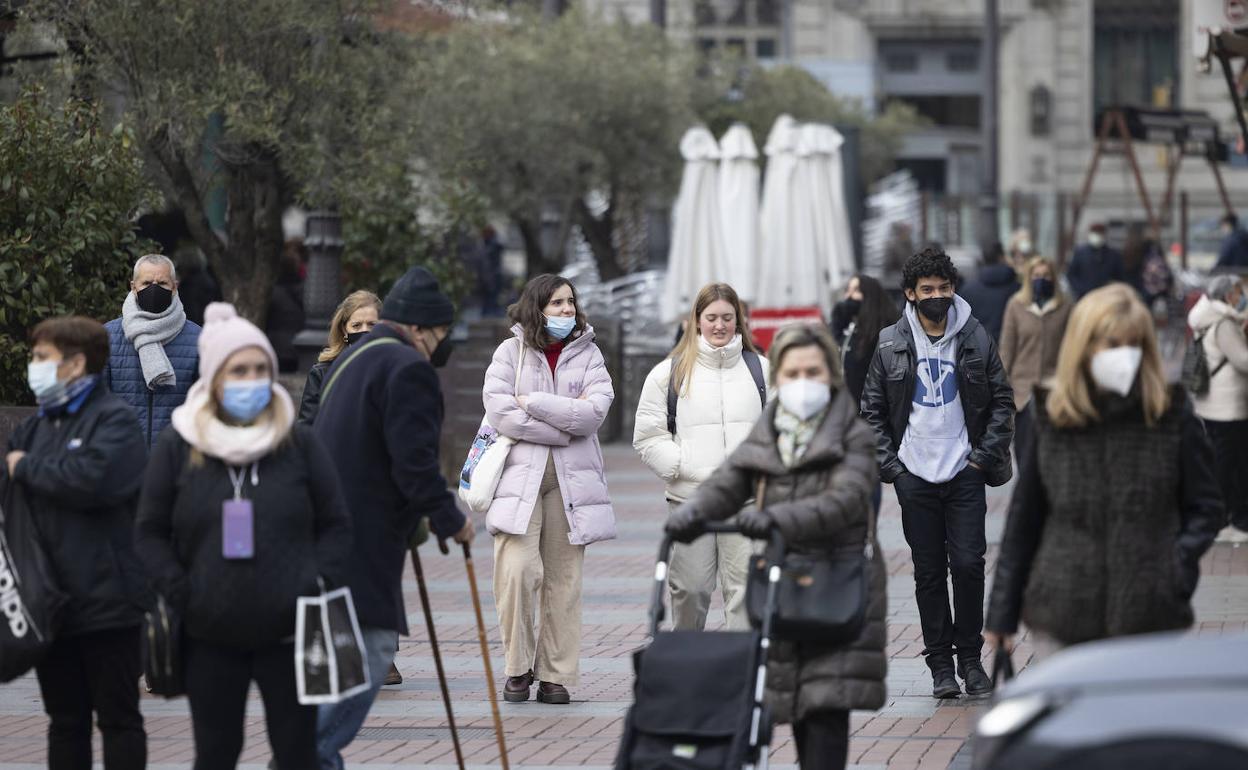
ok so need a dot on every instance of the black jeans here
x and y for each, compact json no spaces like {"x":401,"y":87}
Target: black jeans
{"x":94,"y":674}
{"x":1230,"y":452}
{"x":1022,"y":436}
{"x":944,"y":526}
{"x":217,"y":679}
{"x":822,"y":740}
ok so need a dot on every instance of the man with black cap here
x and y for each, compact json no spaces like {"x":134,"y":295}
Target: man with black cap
{"x":381,"y":419}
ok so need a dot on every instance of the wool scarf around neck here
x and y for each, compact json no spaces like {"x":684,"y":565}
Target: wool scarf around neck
{"x":149,"y":333}
{"x":197,"y":423}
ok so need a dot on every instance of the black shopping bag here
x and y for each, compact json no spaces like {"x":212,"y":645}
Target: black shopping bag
{"x":30,"y":599}
{"x":330,"y":662}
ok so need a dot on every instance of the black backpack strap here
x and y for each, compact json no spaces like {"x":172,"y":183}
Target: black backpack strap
{"x":755,"y":365}
{"x":671,"y":398}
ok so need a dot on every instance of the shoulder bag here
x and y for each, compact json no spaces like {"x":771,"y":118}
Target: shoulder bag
{"x":487,"y":457}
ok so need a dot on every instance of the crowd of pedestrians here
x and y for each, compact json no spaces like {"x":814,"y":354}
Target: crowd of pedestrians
{"x":331,"y":493}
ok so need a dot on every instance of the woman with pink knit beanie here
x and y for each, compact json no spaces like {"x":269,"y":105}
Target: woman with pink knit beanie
{"x":234,"y":461}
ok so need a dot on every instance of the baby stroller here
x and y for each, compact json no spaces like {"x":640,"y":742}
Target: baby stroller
{"x":698,"y":695}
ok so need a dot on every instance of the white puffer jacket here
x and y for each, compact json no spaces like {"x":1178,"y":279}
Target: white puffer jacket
{"x":1223,"y":330}
{"x":713,"y":415}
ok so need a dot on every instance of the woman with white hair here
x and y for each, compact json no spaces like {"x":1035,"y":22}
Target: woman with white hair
{"x":1217,"y":322}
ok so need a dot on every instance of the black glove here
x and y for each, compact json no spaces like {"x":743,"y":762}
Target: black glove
{"x":684,"y":526}
{"x":755,"y":524}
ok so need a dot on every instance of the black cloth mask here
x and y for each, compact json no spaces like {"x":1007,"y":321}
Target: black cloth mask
{"x":355,"y":337}
{"x":442,"y":353}
{"x":935,"y":309}
{"x":154,"y":299}
{"x":1042,"y":290}
{"x":849,"y":307}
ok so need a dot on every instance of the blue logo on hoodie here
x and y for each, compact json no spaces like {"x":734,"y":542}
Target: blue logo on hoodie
{"x":936,"y":376}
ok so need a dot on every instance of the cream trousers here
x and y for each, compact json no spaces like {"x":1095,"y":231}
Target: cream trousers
{"x":692,"y":575}
{"x":541,"y":562}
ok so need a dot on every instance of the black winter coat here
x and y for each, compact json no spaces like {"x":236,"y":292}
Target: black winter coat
{"x":301,"y":531}
{"x":310,"y":401}
{"x":988,"y":295}
{"x":382,"y":424}
{"x":1091,"y":554}
{"x":821,"y":505}
{"x":1092,"y":267}
{"x":983,"y":388}
{"x":81,"y":475}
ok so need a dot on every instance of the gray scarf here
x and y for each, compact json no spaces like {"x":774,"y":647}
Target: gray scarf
{"x":149,"y":333}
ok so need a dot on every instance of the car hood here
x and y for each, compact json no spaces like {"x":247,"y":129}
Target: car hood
{"x":1153,"y":661}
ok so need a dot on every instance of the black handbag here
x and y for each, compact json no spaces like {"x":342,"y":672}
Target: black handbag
{"x":820,"y":599}
{"x":162,"y":650}
{"x":1002,"y":667}
{"x":31,"y":601}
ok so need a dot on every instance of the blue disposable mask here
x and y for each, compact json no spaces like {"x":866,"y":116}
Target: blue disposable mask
{"x":42,"y":378}
{"x":560,"y":326}
{"x":244,"y":400}
{"x":1242,"y":305}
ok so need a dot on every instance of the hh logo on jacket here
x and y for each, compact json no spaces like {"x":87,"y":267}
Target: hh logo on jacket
{"x":937,"y":383}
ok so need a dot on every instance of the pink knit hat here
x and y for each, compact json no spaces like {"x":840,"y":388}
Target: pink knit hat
{"x":225,"y":333}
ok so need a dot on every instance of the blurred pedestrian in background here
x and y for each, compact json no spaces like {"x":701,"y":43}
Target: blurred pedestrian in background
{"x":856,"y":323}
{"x":489,"y":272}
{"x":990,"y":290}
{"x":235,"y":440}
{"x":285,"y":317}
{"x":1094,"y":264}
{"x":1233,"y":253}
{"x":718,"y":400}
{"x":153,"y":357}
{"x":1021,"y":249}
{"x":380,"y":419}
{"x":548,"y":389}
{"x":353,"y":320}
{"x":1116,"y":501}
{"x":1217,"y":321}
{"x":80,"y":461}
{"x":197,"y":287}
{"x":814,"y":459}
{"x":1035,"y":320}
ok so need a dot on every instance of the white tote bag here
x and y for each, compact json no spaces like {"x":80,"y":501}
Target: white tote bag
{"x":487,"y":457}
{"x":331,"y":663}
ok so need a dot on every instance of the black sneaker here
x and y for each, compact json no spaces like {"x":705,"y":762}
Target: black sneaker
{"x":974,"y":677}
{"x":944,"y":685}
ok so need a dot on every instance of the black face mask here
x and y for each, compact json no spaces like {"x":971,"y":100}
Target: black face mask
{"x":355,"y":337}
{"x":849,"y":307}
{"x":442,"y":353}
{"x":935,"y":309}
{"x":154,"y":299}
{"x":1041,"y":290}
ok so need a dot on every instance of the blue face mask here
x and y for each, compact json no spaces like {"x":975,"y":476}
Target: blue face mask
{"x":560,"y":326}
{"x":1242,"y":305}
{"x":244,"y":400}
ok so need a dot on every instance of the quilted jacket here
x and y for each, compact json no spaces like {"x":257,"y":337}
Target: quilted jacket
{"x":124,"y":376}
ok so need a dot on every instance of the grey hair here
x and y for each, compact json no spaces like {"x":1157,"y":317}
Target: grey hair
{"x":1221,"y":285}
{"x":155,"y":259}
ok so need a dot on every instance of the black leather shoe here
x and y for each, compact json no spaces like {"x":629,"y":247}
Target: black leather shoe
{"x":974,"y":677}
{"x":944,"y":685}
{"x":517,"y":688}
{"x":554,"y":694}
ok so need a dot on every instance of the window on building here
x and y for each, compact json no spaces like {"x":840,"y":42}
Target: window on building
{"x":765,"y":48}
{"x":962,"y":61}
{"x":1136,"y":53}
{"x":945,"y":111}
{"x":748,"y":28}
{"x":902,"y":61}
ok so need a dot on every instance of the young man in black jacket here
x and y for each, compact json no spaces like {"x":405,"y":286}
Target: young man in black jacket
{"x":943,"y":414}
{"x":79,"y":463}
{"x":381,"y":420}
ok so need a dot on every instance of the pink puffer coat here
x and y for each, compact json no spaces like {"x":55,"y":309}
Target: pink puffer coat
{"x":564,"y":413}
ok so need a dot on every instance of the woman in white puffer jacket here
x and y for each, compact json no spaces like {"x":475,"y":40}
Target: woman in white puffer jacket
{"x":720,"y":385}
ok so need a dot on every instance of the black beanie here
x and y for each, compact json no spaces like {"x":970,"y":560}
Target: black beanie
{"x":417,"y":300}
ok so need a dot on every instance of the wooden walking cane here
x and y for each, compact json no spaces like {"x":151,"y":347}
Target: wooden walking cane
{"x":437,"y":655}
{"x":485,"y":656}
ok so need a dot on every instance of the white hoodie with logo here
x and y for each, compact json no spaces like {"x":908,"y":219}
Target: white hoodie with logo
{"x":936,"y":444}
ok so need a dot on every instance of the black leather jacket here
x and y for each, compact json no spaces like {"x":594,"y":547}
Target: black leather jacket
{"x":310,"y":403}
{"x":985,"y":392}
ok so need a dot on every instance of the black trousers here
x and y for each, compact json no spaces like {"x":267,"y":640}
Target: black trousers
{"x":944,"y":526}
{"x":1022,"y":436}
{"x":217,"y":680}
{"x":822,"y":740}
{"x":88,"y":675}
{"x":1230,"y":452}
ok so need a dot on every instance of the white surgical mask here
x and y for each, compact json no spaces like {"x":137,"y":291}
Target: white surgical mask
{"x":1114,"y":369}
{"x":1096,"y":240}
{"x":1024,"y":247}
{"x":41,"y":376}
{"x":805,"y":398}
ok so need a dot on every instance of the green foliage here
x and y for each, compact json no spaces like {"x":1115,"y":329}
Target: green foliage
{"x":69,"y":188}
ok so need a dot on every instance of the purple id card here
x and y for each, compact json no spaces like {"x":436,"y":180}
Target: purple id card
{"x":236,"y":530}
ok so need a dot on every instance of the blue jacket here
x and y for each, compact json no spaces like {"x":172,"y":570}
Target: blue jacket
{"x":124,"y":376}
{"x":1092,"y":267}
{"x":1234,"y":251}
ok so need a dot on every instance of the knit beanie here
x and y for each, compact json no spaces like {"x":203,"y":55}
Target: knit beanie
{"x":416,"y":300}
{"x":225,"y":333}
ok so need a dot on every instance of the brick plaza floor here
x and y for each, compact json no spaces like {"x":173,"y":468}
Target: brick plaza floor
{"x":407,"y":727}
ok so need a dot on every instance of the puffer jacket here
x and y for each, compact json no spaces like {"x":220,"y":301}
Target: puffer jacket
{"x":821,"y":505}
{"x":1030,"y":342}
{"x":1224,"y":341}
{"x":714,"y":414}
{"x":124,"y":376}
{"x":563,"y":415}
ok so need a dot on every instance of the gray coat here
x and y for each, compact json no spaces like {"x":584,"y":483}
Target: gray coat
{"x":820,"y":506}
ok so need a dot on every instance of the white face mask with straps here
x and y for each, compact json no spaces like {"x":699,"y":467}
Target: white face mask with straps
{"x":804,"y":398}
{"x":1115,"y":369}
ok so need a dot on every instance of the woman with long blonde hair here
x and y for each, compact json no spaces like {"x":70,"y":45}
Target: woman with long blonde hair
{"x":695,"y":408}
{"x":1116,"y":501}
{"x":353,"y":320}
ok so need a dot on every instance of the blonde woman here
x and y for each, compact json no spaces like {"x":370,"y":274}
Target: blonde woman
{"x":1117,"y":499}
{"x":1035,"y":320}
{"x":353,"y":320}
{"x":695,"y":408}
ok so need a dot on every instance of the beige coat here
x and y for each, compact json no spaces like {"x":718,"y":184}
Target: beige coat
{"x":1030,"y":339}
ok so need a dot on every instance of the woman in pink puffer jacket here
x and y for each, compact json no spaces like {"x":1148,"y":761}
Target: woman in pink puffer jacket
{"x":547,"y":388}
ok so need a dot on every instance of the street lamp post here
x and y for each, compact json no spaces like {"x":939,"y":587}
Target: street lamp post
{"x":988,"y":203}
{"x":322,"y":288}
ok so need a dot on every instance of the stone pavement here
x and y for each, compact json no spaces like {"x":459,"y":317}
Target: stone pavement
{"x":407,"y":727}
